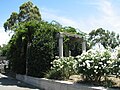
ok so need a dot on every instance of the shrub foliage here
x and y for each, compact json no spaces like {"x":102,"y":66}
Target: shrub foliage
{"x":62,"y":68}
{"x":94,"y":64}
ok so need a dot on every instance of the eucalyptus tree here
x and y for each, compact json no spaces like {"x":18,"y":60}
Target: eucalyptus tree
{"x":105,"y":37}
{"x":27,"y":14}
{"x":3,"y":50}
{"x":23,"y":25}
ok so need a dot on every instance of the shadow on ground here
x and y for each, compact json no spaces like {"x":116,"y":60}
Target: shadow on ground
{"x":8,"y":81}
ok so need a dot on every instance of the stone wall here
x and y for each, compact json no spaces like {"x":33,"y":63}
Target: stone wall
{"x":47,"y":84}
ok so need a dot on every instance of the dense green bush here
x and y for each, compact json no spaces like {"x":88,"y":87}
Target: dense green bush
{"x":116,"y":68}
{"x":3,"y":50}
{"x":94,"y":64}
{"x":116,"y":63}
{"x":34,"y":43}
{"x":16,"y":54}
{"x":62,"y":68}
{"x":43,"y":49}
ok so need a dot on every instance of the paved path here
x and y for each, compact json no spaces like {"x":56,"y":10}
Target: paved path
{"x":8,"y":83}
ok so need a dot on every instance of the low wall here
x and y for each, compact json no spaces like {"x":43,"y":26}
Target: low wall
{"x":47,"y":84}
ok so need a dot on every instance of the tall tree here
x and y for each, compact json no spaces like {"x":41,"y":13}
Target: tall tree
{"x":23,"y":25}
{"x":105,"y":37}
{"x":27,"y":12}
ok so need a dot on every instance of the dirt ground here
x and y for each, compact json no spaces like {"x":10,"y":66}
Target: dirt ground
{"x":113,"y":79}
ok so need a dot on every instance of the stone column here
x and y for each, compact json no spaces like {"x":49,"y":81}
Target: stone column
{"x":83,"y":46}
{"x":69,"y":53}
{"x":60,"y":45}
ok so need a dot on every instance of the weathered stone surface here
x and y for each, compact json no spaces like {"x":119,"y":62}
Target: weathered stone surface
{"x":47,"y":84}
{"x":8,"y":83}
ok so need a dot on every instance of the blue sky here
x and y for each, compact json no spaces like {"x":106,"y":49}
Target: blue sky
{"x":85,"y":15}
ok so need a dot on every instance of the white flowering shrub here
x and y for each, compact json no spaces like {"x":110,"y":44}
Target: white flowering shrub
{"x":116,"y":67}
{"x":62,"y":68}
{"x":94,"y":64}
{"x":116,"y":63}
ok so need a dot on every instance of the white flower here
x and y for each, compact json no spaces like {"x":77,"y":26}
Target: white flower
{"x":119,"y":66}
{"x":88,"y":65}
{"x":83,"y":63}
{"x":80,"y":65}
{"x":94,"y":70}
{"x":96,"y":67}
{"x":56,"y":57}
{"x":99,"y":67}
{"x":105,"y":65}
{"x":108,"y":62}
{"x":100,"y":63}
{"x":117,"y":73}
{"x":84,"y":69}
{"x":78,"y":56}
{"x":103,"y":58}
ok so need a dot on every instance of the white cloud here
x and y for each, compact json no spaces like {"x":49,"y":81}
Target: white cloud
{"x":107,"y":17}
{"x":65,"y":21}
{"x":50,"y":15}
{"x":106,"y":7}
{"x":4,"y":36}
